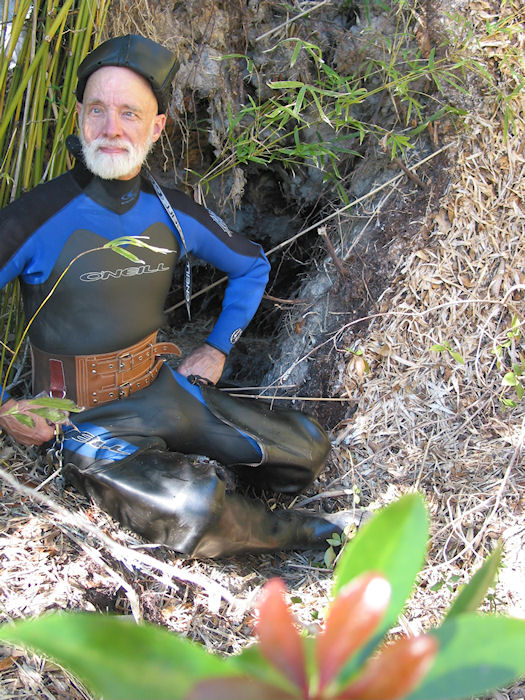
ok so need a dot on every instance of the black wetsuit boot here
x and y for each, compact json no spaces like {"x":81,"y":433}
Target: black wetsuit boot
{"x":169,"y":500}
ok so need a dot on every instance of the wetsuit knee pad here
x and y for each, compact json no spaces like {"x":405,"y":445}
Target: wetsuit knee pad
{"x":160,"y":495}
{"x":294,"y":446}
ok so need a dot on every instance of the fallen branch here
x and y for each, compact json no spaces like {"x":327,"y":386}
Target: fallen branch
{"x":322,"y":232}
{"x":415,"y":178}
{"x":277,"y":300}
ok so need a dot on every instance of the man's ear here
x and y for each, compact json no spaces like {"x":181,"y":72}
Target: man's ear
{"x":78,"y":108}
{"x":158,"y":125}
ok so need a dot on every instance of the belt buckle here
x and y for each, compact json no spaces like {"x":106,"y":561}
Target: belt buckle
{"x":124,"y":390}
{"x":121,"y":359}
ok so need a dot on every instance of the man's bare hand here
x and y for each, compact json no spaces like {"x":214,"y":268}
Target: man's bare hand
{"x":206,"y":362}
{"x":40,"y":432}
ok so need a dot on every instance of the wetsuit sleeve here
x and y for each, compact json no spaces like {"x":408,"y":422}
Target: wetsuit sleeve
{"x":247,"y":279}
{"x":244,"y":262}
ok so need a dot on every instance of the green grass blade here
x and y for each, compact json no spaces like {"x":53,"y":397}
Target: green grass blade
{"x":473,"y":594}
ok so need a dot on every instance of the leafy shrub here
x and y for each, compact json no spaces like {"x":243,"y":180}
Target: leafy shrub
{"x":468,"y":654}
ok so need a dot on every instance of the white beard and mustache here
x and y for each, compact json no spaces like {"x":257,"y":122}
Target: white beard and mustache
{"x":111,"y":166}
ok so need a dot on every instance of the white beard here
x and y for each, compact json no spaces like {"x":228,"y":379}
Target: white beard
{"x":111,"y":166}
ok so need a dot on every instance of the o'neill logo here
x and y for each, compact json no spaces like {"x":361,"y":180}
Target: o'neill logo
{"x":123,"y":272}
{"x":97,"y":443}
{"x":234,"y":337}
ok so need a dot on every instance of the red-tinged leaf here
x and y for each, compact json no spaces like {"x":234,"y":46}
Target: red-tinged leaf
{"x":395,"y":672}
{"x":237,"y":689}
{"x":353,"y":617}
{"x":279,"y":639}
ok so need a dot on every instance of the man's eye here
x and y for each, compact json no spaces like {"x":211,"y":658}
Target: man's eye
{"x":130,"y":115}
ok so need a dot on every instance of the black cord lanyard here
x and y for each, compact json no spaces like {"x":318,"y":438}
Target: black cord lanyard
{"x":169,"y":210}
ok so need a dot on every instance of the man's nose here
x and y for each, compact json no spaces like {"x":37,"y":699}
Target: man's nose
{"x":112,"y":125}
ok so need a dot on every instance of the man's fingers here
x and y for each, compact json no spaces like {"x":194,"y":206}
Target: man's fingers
{"x":36,"y":434}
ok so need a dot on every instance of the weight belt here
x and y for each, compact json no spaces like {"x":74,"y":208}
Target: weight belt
{"x":94,"y":379}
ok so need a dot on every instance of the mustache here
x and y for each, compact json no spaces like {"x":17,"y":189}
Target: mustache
{"x":102,"y":142}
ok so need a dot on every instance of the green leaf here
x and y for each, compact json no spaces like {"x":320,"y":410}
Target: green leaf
{"x":477,"y":653}
{"x":322,"y":115}
{"x":509,"y":403}
{"x":329,"y":557}
{"x":138,"y":241}
{"x":118,"y":659}
{"x":457,"y":357}
{"x":50,"y":402}
{"x":437,"y":586}
{"x":297,"y":49}
{"x":299,"y":102}
{"x":446,"y":346}
{"x":22,"y":418}
{"x":285,"y":84}
{"x":127,"y":254}
{"x":431,"y":58}
{"x":392,"y":543}
{"x":510,"y":379}
{"x":55,"y":415}
{"x":472,"y":595}
{"x":249,"y":62}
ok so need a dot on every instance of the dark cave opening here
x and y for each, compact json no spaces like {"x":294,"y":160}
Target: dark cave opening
{"x":269,"y":216}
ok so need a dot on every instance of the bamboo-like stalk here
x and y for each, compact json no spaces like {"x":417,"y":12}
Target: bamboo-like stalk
{"x":37,"y":108}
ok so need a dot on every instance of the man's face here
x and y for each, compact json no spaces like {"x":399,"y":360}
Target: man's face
{"x":118,"y":122}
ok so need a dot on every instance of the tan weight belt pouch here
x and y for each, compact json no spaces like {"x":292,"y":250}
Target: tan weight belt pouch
{"x":93,"y":379}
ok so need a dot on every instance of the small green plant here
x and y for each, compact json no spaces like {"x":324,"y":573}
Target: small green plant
{"x":335,"y":542}
{"x":448,"y":583}
{"x":446,"y":347}
{"x":511,"y":361}
{"x":316,"y":124}
{"x":54,"y":410}
{"x":467,"y":655}
{"x":510,"y":62}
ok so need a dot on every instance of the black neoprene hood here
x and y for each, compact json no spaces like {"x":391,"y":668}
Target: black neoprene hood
{"x":152,"y":61}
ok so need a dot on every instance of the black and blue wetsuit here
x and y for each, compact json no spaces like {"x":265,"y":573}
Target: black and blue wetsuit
{"x":129,"y":455}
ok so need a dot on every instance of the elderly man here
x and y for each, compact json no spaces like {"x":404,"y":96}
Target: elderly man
{"x":94,"y":340}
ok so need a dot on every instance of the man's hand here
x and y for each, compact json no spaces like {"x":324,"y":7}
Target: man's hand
{"x":41,"y":431}
{"x":206,"y":362}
